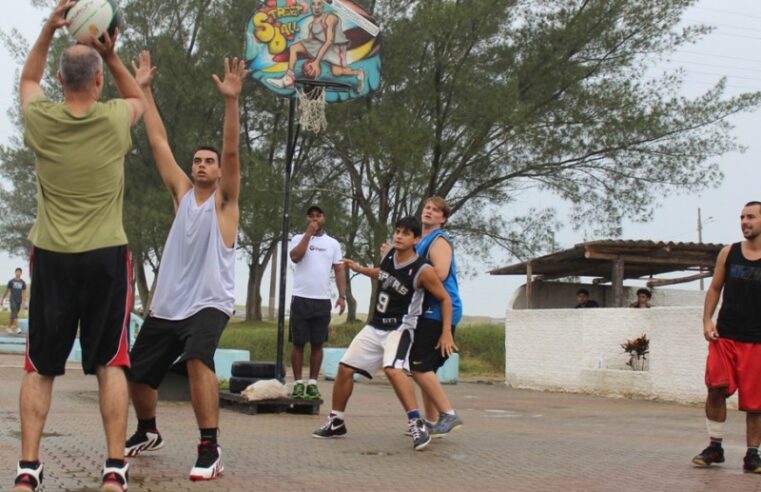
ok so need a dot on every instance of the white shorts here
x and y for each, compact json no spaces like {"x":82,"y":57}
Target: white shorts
{"x":334,"y":55}
{"x":373,"y":349}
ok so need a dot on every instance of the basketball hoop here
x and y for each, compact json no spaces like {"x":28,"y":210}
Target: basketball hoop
{"x":311,"y":102}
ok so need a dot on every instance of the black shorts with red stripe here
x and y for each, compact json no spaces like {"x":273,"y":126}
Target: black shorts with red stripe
{"x":89,"y":292}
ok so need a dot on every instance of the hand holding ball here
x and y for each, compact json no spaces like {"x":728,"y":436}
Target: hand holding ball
{"x":92,"y":17}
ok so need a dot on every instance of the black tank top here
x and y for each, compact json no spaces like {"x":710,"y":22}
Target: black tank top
{"x":740,"y":314}
{"x":398,"y":300}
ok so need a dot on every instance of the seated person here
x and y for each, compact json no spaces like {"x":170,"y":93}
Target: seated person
{"x":583,"y":300}
{"x":643,"y":299}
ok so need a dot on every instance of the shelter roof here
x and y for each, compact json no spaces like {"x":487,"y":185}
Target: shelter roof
{"x":641,"y":259}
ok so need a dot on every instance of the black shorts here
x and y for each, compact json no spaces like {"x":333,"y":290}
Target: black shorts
{"x":15,"y":308}
{"x":161,"y":342}
{"x":424,"y":356}
{"x":309,"y":321}
{"x":89,"y":291}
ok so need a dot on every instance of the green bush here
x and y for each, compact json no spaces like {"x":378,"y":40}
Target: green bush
{"x":482,"y":346}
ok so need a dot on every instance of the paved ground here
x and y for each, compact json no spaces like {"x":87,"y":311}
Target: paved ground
{"x":513,"y":441}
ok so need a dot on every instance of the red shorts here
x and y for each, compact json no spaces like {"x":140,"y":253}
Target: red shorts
{"x":736,"y":366}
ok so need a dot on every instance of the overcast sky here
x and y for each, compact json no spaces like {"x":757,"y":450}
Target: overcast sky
{"x":732,"y":50}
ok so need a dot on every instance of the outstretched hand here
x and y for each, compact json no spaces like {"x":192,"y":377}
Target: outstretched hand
{"x":56,"y":19}
{"x":351,"y":264}
{"x":144,"y":72}
{"x":235,"y":73}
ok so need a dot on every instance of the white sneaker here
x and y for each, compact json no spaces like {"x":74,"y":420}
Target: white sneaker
{"x":142,"y":441}
{"x":115,"y":479}
{"x":209,"y":463}
{"x":284,"y":82}
{"x":27,"y":479}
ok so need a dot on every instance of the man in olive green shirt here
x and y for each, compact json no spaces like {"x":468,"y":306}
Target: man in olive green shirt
{"x":80,"y":262}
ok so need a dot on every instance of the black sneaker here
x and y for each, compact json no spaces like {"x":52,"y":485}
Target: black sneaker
{"x":115,"y":478}
{"x":420,"y":436}
{"x":209,"y":463}
{"x":752,"y":462}
{"x":312,"y":393}
{"x":335,"y":427}
{"x":143,"y":441}
{"x":27,"y":479}
{"x":712,"y":454}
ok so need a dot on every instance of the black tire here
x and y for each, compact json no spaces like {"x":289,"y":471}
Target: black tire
{"x":238,"y":384}
{"x":256,"y":369}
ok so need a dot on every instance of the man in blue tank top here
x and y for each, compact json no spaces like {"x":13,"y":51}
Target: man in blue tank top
{"x":734,"y":341}
{"x":194,"y":296}
{"x":433,"y":343}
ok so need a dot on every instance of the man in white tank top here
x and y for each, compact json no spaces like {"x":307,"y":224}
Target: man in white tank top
{"x":194,"y":295}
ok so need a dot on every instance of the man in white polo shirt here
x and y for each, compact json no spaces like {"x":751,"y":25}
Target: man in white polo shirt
{"x":315,"y":254}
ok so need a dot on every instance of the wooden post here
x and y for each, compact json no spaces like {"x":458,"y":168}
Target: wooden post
{"x":617,"y":279}
{"x":529,"y":275}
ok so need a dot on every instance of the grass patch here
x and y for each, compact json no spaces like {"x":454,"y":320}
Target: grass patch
{"x":482,"y":346}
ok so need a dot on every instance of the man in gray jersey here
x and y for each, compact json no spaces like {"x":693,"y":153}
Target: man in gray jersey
{"x":194,"y":295}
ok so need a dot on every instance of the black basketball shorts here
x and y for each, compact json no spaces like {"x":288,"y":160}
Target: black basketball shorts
{"x":424,"y":355}
{"x":90,"y":292}
{"x":309,"y":321}
{"x":162,"y":342}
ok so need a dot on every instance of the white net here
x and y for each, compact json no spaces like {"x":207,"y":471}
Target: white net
{"x":311,"y":108}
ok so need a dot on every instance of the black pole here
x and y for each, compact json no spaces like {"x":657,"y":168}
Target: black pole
{"x":290,"y":147}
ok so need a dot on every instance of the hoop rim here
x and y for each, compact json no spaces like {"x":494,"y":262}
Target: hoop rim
{"x":328,"y":85}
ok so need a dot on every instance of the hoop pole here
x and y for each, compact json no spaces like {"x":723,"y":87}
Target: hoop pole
{"x":290,"y":147}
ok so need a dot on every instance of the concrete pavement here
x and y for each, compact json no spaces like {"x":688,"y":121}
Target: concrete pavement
{"x":513,"y":440}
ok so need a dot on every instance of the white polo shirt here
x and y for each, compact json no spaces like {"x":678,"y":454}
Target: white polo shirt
{"x":311,"y":278}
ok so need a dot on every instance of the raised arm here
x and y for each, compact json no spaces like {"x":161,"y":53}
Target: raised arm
{"x":36,"y":60}
{"x":440,"y":256}
{"x":177,"y":182}
{"x":230,"y":88}
{"x":125,"y":83}
{"x":710,"y":332}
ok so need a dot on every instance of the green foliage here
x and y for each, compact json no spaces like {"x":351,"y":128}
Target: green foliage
{"x":482,"y":347}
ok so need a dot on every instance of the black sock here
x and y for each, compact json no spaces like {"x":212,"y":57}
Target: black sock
{"x":209,"y":434}
{"x":114,"y":463}
{"x":146,"y":425}
{"x":29,"y":464}
{"x":716,"y":442}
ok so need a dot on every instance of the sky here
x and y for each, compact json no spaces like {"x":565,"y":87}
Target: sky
{"x":731,"y":50}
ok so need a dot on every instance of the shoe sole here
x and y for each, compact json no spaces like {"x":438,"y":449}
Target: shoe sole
{"x":700,"y":463}
{"x":21,"y":489}
{"x":421,"y":447}
{"x":108,"y":487}
{"x":200,"y":478}
{"x":137,"y":450}
{"x":328,"y":437}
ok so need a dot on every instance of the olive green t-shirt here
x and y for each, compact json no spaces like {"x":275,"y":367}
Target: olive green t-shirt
{"x":80,"y":174}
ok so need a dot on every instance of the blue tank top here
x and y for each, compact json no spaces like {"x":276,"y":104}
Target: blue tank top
{"x":431,"y":307}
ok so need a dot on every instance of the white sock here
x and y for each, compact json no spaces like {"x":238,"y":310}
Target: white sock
{"x":337,"y":414}
{"x":299,"y":381}
{"x":715,"y":430}
{"x":312,"y":381}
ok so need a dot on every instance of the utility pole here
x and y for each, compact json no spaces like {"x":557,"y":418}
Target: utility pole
{"x":700,"y":241}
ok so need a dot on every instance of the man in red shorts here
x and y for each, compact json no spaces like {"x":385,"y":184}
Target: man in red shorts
{"x":734,"y":350}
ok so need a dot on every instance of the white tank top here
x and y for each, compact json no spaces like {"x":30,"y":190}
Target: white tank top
{"x":197,"y":269}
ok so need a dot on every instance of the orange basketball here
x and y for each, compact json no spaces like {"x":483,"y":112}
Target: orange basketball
{"x":307,"y":70}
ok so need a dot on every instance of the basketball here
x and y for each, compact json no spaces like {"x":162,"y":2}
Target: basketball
{"x":92,"y":17}
{"x":307,"y":70}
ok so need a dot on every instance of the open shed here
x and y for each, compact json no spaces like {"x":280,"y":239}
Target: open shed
{"x":613,"y":261}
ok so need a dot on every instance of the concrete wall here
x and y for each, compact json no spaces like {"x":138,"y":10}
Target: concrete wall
{"x":578,"y":350}
{"x":554,"y":295}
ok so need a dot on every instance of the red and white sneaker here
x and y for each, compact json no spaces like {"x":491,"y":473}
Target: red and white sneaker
{"x":209,"y":463}
{"x":284,"y":82}
{"x":142,"y":441}
{"x":115,"y":478}
{"x":27,"y":478}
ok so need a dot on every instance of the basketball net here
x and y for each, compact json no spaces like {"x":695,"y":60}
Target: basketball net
{"x":311,"y":108}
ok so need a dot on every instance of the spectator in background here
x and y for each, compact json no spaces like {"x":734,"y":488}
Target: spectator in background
{"x":583,"y":300}
{"x":17,"y":288}
{"x":643,"y":299}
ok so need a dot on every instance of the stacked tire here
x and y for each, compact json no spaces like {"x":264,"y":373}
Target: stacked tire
{"x":246,"y":373}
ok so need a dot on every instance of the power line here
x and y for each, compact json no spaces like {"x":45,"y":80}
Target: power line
{"x":715,"y":66}
{"x":712,"y":24}
{"x":722,"y":75}
{"x":720,"y":56}
{"x":746,"y":16}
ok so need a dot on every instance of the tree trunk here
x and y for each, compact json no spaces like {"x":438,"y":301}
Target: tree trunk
{"x":271,"y":313}
{"x":253,"y":295}
{"x":142,"y":283}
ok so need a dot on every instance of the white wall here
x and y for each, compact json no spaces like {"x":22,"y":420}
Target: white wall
{"x":578,"y":350}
